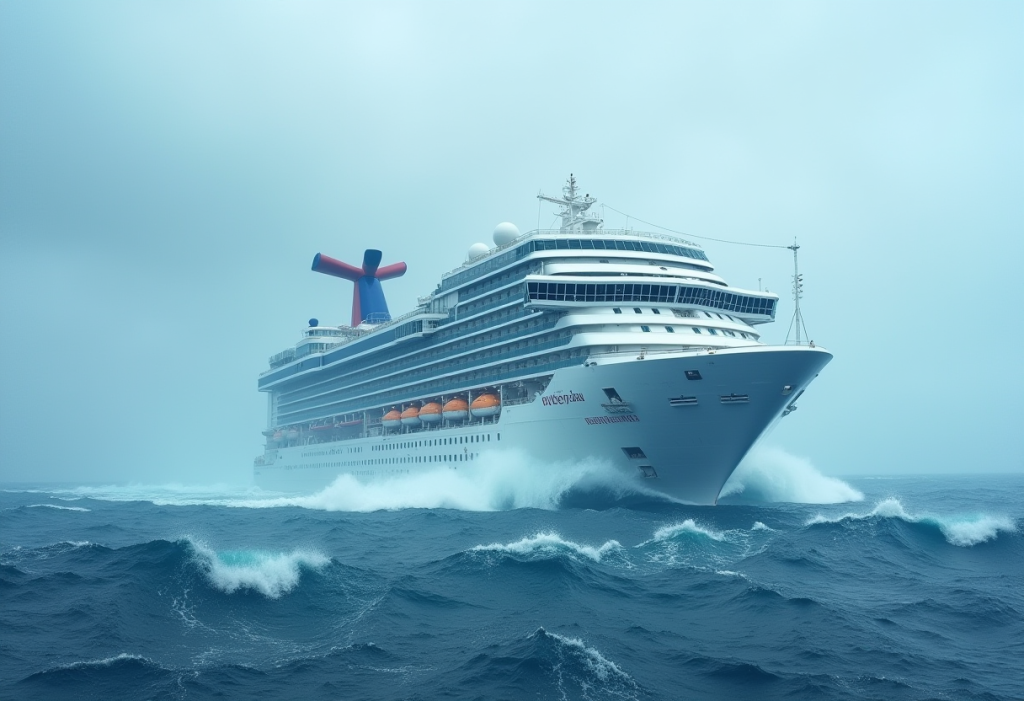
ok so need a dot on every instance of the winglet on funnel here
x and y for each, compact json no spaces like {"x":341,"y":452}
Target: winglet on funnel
{"x":368,"y":303}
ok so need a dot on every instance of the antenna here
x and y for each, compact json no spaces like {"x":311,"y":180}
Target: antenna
{"x":798,"y":292}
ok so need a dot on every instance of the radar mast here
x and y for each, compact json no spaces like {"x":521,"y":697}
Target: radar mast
{"x":573,"y":208}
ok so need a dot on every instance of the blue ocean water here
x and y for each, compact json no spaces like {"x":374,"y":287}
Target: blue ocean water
{"x":914,"y":591}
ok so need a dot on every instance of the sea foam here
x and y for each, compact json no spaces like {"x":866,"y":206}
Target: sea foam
{"x":497,"y":481}
{"x":963,"y":530}
{"x":550,"y":543}
{"x":771,"y":474}
{"x":270,"y":574}
{"x":688,"y":527}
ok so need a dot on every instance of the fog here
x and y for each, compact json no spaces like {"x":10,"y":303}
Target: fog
{"x":169,"y":169}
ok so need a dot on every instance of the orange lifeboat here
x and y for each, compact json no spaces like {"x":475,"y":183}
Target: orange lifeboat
{"x":456,"y":410}
{"x":392,"y":419}
{"x":411,"y":417}
{"x":430,"y":413}
{"x":486,"y":405}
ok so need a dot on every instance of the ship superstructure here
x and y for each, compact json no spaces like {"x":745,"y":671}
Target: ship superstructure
{"x":576,"y":343}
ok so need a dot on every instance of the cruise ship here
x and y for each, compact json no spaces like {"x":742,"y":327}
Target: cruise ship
{"x":581,"y":343}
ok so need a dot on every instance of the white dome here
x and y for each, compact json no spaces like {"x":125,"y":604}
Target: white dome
{"x":505,"y":233}
{"x":477,"y":250}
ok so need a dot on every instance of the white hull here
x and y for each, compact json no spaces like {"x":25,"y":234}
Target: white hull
{"x":687,"y":448}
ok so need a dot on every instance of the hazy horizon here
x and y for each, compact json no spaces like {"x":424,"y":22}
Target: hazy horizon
{"x":168,"y":171}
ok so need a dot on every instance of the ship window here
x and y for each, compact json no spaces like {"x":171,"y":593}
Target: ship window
{"x":617,"y":310}
{"x":645,"y":329}
{"x":712,"y":332}
{"x":708,"y":315}
{"x":656,"y":311}
{"x":696,"y":330}
{"x":670,"y":329}
{"x":634,"y":453}
{"x":693,"y":375}
{"x":637,"y":310}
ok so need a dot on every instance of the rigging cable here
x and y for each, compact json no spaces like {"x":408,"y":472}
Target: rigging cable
{"x":705,"y":238}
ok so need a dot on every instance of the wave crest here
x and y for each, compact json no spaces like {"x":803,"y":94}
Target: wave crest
{"x":689,"y":527}
{"x":270,"y":574}
{"x":771,"y":474}
{"x":549,"y":543}
{"x":962,"y":531}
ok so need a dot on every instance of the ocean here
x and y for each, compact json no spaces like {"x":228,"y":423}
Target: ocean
{"x":522,"y":586}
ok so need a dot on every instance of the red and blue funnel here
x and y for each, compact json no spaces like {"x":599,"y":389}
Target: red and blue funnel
{"x":368,"y":303}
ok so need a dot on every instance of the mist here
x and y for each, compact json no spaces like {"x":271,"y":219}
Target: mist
{"x":168,"y":171}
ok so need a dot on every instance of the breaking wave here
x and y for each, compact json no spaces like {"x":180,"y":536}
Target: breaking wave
{"x":549,"y":543}
{"x":499,"y":481}
{"x":962,"y":531}
{"x":770,"y":474}
{"x":689,"y":527}
{"x":56,"y":506}
{"x":270,"y":574}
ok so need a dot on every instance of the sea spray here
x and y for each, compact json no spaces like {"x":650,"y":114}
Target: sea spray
{"x":498,"y":481}
{"x":550,"y":543}
{"x":271,"y":574}
{"x":960,"y":530}
{"x":770,"y":474}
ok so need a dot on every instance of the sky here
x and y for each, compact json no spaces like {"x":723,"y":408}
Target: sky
{"x":169,"y":169}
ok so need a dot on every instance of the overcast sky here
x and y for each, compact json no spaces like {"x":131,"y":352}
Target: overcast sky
{"x":169,"y":169}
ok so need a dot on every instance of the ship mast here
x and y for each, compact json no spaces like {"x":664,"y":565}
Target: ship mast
{"x":798,"y":291}
{"x":574,"y":207}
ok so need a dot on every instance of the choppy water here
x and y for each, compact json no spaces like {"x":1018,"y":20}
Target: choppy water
{"x":915,"y":591}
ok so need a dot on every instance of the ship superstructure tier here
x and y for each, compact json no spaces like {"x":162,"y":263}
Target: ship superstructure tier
{"x":515,"y":331}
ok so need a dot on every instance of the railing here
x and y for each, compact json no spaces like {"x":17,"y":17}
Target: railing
{"x":547,"y":232}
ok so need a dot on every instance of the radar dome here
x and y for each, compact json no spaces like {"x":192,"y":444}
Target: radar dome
{"x":505,"y":233}
{"x":477,"y":250}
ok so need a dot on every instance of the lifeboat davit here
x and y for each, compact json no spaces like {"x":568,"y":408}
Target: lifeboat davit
{"x":411,"y":417}
{"x":456,"y":410}
{"x":430,"y":413}
{"x":392,"y":419}
{"x":486,"y":405}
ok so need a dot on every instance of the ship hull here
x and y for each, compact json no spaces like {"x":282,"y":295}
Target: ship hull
{"x":678,"y":423}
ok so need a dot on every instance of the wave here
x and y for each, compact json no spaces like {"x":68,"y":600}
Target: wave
{"x":56,"y":506}
{"x":541,"y":665}
{"x":270,"y":574}
{"x":551,"y":544}
{"x":962,"y":531}
{"x":770,"y":474}
{"x":499,"y":481}
{"x":592,"y":660}
{"x":689,"y":527}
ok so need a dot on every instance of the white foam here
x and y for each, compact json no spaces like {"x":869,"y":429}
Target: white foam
{"x":56,"y":506}
{"x":271,"y":574}
{"x":758,"y":526}
{"x":498,"y":480}
{"x":966,"y":532}
{"x":771,"y":474}
{"x":688,"y":527}
{"x":105,"y":662}
{"x":963,"y":531}
{"x":600,"y":666}
{"x":551,"y":543}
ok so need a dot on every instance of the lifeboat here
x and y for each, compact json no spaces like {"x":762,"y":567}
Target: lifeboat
{"x":392,"y":419}
{"x":278,"y":436}
{"x":430,"y":413}
{"x":456,"y":410}
{"x":411,"y":417}
{"x":291,"y":434}
{"x":486,"y":405}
